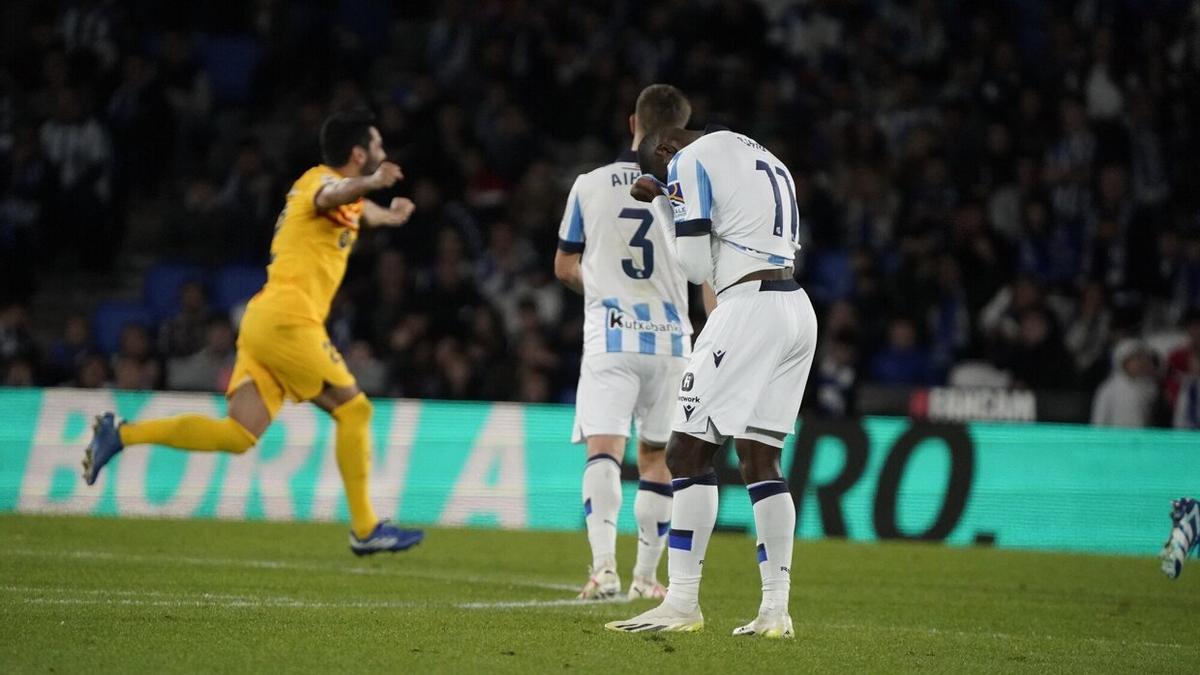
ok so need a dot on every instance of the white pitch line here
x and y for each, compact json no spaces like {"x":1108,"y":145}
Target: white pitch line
{"x":286,"y":565}
{"x":200,"y":599}
{"x":518,"y":604}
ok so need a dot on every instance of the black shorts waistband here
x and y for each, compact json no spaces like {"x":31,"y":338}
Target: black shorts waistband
{"x":779,"y":285}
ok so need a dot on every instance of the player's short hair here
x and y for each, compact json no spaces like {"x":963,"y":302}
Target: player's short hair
{"x":661,"y":105}
{"x":342,"y":131}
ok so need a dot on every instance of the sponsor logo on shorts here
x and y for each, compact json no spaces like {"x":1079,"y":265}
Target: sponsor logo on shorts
{"x":688,"y":381}
{"x":619,"y":319}
{"x":689,"y":399}
{"x":718,"y":356}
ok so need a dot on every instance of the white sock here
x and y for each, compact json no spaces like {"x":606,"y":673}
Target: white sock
{"x":693,"y":515}
{"x":601,"y":503}
{"x":775,"y":525}
{"x":652,"y":509}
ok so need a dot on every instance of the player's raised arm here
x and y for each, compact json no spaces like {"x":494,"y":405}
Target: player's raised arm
{"x":351,"y":189}
{"x":568,"y":266}
{"x":397,"y":213}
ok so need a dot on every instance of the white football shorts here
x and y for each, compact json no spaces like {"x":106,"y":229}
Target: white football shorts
{"x":619,"y":388}
{"x":747,"y":372}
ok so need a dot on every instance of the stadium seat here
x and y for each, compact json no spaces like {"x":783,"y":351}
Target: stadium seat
{"x":234,"y":284}
{"x":112,"y":317}
{"x":160,"y":290}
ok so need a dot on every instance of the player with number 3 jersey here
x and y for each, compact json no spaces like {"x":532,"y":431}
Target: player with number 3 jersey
{"x":619,"y":253}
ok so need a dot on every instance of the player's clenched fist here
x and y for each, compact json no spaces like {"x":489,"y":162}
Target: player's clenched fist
{"x":386,"y":175}
{"x":401,"y":210}
{"x":646,"y":188}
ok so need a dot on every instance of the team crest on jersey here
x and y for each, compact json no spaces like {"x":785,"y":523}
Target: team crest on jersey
{"x":675,"y":195}
{"x":344,"y":239}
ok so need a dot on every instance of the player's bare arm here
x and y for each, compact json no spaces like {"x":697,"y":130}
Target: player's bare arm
{"x":569,"y":270}
{"x":396,"y":214}
{"x":351,"y":189}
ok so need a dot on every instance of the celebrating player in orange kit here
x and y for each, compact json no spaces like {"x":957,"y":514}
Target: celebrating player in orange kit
{"x":283,"y":349}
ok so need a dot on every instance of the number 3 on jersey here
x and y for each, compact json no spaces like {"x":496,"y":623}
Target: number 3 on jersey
{"x":639,"y":240}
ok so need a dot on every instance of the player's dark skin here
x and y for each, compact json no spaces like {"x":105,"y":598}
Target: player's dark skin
{"x":688,"y":456}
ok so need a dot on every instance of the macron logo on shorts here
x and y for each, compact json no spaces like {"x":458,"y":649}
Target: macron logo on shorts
{"x":718,"y":356}
{"x":687,"y":411}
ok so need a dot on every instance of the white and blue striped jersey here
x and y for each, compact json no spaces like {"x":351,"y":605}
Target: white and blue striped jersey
{"x":635,"y":294}
{"x":728,"y":185}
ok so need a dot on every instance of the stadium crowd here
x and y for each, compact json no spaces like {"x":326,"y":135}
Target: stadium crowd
{"x":992,"y":193}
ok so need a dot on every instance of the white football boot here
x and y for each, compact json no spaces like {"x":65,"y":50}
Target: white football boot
{"x":664,"y":618}
{"x":769,"y":626}
{"x":603,"y":582}
{"x":643,"y":588}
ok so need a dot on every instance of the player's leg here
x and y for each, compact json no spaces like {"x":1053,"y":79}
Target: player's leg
{"x":248,"y":417}
{"x":601,"y":493}
{"x":775,"y":526}
{"x":652,"y":511}
{"x":605,"y":399}
{"x":693,"y":517}
{"x":759,"y":445}
{"x":652,"y":507}
{"x":1184,"y":536}
{"x":351,"y":412}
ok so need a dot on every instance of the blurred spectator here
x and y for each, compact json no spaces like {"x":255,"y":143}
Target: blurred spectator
{"x":901,"y":361}
{"x":16,"y":341}
{"x":135,"y":366}
{"x":369,"y":371}
{"x":19,"y":373}
{"x":185,"y":333}
{"x":79,"y":149}
{"x":1037,"y":357}
{"x":93,"y":373}
{"x":70,"y":351}
{"x":1184,"y":363}
{"x":835,"y":376}
{"x":1127,"y":397}
{"x":208,"y":369}
{"x":1088,"y":335}
{"x":249,"y":201}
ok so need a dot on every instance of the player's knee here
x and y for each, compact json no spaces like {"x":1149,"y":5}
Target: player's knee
{"x":758,"y":463}
{"x":684,"y":461}
{"x":357,"y":410}
{"x":239,"y":439}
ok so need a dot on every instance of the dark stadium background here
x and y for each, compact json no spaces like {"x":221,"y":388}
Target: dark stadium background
{"x":993,"y":193}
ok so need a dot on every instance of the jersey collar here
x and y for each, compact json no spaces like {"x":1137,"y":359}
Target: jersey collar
{"x":627,"y":156}
{"x":712,"y":128}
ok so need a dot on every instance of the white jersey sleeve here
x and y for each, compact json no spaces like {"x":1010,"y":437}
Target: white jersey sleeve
{"x":570,"y":230}
{"x":690,"y":190}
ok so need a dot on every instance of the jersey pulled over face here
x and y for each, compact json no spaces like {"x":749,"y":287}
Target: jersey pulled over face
{"x":728,"y":185}
{"x":309,"y":251}
{"x":635,"y":294}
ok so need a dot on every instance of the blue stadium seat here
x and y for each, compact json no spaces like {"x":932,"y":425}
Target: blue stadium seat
{"x":112,"y":317}
{"x":233,"y":284}
{"x":160,"y":290}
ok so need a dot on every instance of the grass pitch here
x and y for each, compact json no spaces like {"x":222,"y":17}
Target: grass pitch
{"x":87,"y":595}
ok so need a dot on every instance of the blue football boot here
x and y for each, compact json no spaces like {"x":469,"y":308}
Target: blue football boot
{"x":106,"y":443}
{"x":385,"y":537}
